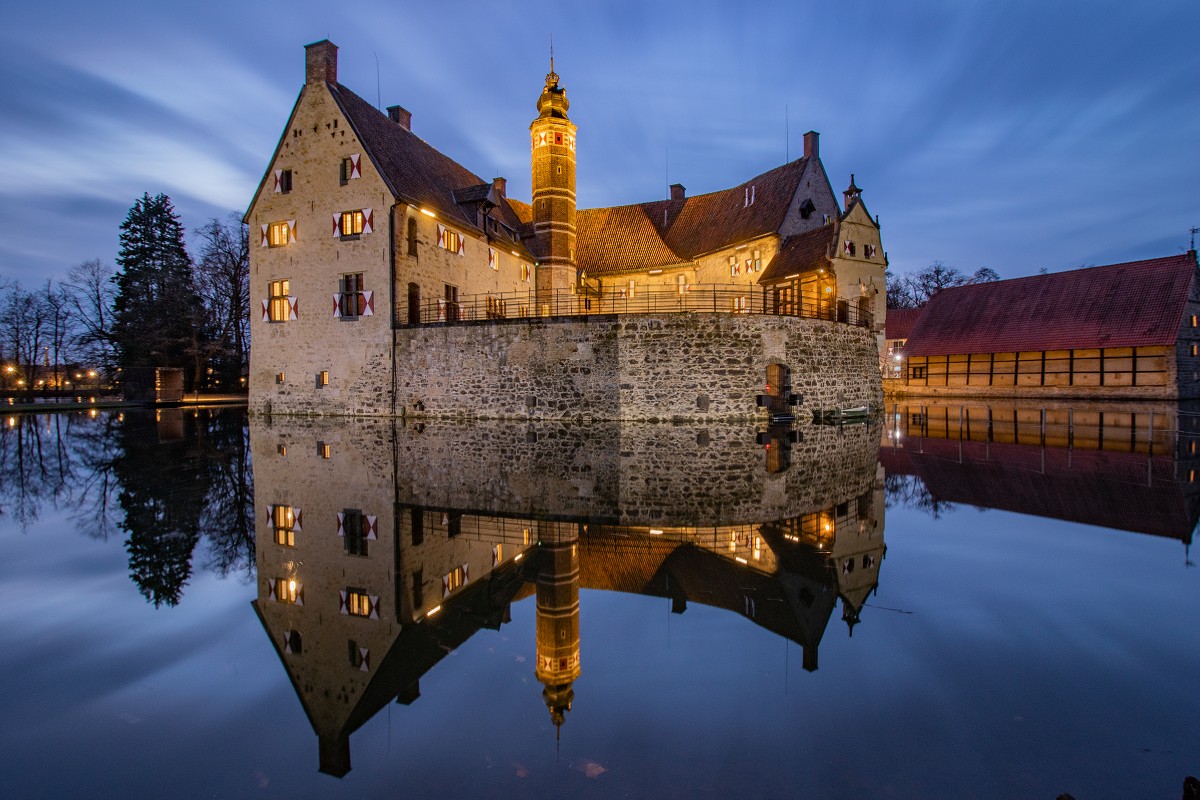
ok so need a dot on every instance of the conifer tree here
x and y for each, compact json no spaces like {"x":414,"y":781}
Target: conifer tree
{"x":155,"y":309}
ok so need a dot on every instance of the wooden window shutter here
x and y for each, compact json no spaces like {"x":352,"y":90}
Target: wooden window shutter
{"x":342,"y":603}
{"x":492,"y":257}
{"x":355,"y":170}
{"x":441,"y":239}
{"x":368,"y":221}
{"x":278,"y":181}
{"x":271,"y":589}
{"x":462,"y":245}
{"x":266,"y":308}
{"x":293,"y":303}
{"x":366,"y":306}
{"x":337,"y":305}
{"x":341,"y":520}
{"x":266,"y":242}
{"x":296,"y":524}
{"x":337,"y":225}
{"x":374,"y":606}
{"x":291,"y":223}
{"x":372,"y":528}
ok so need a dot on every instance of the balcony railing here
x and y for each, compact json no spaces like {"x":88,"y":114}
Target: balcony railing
{"x":642,"y":300}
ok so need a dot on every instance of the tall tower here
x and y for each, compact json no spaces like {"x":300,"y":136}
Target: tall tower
{"x":558,"y":616}
{"x":553,"y":169}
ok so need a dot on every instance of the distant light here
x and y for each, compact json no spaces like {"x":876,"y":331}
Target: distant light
{"x":655,"y":532}
{"x":898,"y":357}
{"x":91,"y":373}
{"x":12,"y":422}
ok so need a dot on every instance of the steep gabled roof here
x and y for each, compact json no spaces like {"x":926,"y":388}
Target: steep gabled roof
{"x":1137,"y":303}
{"x":709,"y":222}
{"x":619,"y":239}
{"x":664,"y":233}
{"x":803,"y":252}
{"x":900,"y":322}
{"x":412,"y":169}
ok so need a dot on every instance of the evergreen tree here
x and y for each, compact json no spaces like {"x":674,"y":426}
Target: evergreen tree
{"x":156,"y":306}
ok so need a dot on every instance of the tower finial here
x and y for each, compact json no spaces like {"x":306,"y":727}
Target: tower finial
{"x":552,"y":76}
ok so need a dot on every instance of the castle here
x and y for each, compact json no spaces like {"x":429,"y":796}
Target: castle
{"x":388,"y":279}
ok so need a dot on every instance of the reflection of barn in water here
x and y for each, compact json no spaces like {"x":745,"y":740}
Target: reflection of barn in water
{"x":1131,"y":467}
{"x":360,"y":604}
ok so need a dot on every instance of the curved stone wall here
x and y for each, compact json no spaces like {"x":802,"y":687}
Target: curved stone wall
{"x":680,"y":367}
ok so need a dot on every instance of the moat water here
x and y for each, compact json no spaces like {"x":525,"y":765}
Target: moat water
{"x":986,"y":602}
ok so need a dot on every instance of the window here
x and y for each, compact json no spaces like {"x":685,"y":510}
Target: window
{"x":355,"y":531}
{"x":324,"y":450}
{"x":283,"y":181}
{"x":733,"y":266}
{"x":917,"y":372}
{"x":360,"y":657}
{"x":359,"y":604}
{"x":454,"y":579}
{"x":450,"y":240}
{"x":848,"y":247}
{"x":285,"y":521}
{"x":279,"y":234}
{"x":495,"y":308}
{"x":285,"y":590}
{"x":681,"y":284}
{"x":417,"y":524}
{"x":279,"y":377}
{"x":869,"y":250}
{"x":279,"y":302}
{"x":283,"y":450}
{"x":412,"y":236}
{"x":493,"y":259}
{"x":757,"y":260}
{"x":738,"y":305}
{"x":497,"y":554}
{"x":448,"y":305}
{"x":322,"y":378}
{"x":352,"y":300}
{"x":632,"y":288}
{"x":1195,"y":349}
{"x":350,"y":223}
{"x":418,"y":589}
{"x":293,"y":643}
{"x":349,"y":169}
{"x":525,"y":272}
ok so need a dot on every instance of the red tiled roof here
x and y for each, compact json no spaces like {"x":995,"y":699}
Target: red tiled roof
{"x":411,"y":168}
{"x":710,"y":222}
{"x":900,"y":322}
{"x":619,"y":239}
{"x":803,"y":252}
{"x":1137,"y":303}
{"x":666,"y":232}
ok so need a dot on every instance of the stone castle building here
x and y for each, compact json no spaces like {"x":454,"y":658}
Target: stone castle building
{"x":389,"y":279}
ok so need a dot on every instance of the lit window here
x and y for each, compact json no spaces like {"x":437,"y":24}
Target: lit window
{"x":1195,"y":349}
{"x":279,"y":301}
{"x":279,"y":234}
{"x":632,"y":288}
{"x":324,"y":450}
{"x":279,"y":377}
{"x":351,"y":223}
{"x":497,"y":553}
{"x":757,"y":260}
{"x":284,"y":519}
{"x":450,"y":240}
{"x":283,"y":449}
{"x":454,"y":579}
{"x":323,"y":378}
{"x":286,"y":590}
{"x":525,"y":272}
{"x":358,"y":603}
{"x":1194,"y":320}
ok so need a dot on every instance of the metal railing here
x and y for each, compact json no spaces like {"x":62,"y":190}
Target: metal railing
{"x":642,"y":300}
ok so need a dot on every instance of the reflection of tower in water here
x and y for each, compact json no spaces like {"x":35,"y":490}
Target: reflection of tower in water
{"x":558,"y":615}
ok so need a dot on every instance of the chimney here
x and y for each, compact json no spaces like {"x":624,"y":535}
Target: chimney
{"x":500,"y":187}
{"x":401,"y":117}
{"x":677,"y":191}
{"x":320,"y":62}
{"x":811,"y":144}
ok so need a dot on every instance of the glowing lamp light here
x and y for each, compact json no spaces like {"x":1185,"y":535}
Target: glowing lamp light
{"x":428,"y":213}
{"x":740,"y":560}
{"x":433,"y":611}
{"x":518,"y":556}
{"x":655,"y":532}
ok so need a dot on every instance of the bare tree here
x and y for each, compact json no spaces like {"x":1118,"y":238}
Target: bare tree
{"x":223,"y":281}
{"x":90,"y":288}
{"x":57,"y":306}
{"x":23,"y":324}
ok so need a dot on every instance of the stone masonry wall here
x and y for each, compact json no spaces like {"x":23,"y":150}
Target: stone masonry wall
{"x":684,"y":367}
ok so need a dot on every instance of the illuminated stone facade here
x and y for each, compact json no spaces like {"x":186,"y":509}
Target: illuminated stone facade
{"x":370,"y":242}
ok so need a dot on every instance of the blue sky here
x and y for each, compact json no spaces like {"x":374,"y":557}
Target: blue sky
{"x":1013,"y":135}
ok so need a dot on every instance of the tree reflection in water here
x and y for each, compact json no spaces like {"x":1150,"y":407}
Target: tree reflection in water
{"x":168,"y":481}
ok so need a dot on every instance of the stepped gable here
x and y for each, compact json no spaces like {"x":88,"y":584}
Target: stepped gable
{"x":620,"y":239}
{"x":1133,"y":304}
{"x":803,"y":252}
{"x":413,"y":170}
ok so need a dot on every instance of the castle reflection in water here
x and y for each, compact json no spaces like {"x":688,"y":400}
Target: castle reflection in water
{"x":382,"y":547}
